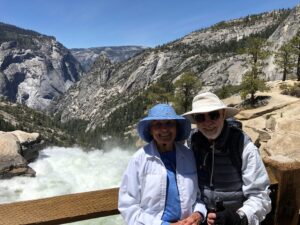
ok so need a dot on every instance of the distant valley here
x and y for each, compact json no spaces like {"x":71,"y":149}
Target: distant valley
{"x":102,"y":91}
{"x":116,"y":54}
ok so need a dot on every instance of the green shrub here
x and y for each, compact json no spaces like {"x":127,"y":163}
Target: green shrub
{"x":227,"y":91}
{"x":292,"y":90}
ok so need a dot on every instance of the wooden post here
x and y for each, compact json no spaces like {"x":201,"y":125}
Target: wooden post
{"x":288,"y":197}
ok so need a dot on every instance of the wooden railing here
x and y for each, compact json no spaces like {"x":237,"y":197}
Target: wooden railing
{"x":285,"y":194}
{"x":61,"y":209}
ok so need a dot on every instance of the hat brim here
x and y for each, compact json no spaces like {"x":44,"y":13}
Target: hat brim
{"x":183,"y":128}
{"x":229,"y":112}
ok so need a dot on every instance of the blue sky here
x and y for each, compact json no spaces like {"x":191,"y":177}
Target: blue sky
{"x":96,"y":23}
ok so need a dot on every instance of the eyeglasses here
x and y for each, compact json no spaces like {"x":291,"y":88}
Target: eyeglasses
{"x":167,"y":124}
{"x":200,"y":118}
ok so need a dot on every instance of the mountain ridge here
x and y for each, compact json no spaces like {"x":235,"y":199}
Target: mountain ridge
{"x":116,"y":54}
{"x":125,"y":81}
{"x":110,"y":87}
{"x":34,"y":68}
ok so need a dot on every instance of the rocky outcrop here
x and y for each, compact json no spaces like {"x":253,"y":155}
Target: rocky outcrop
{"x":34,"y":68}
{"x":285,"y":32}
{"x":274,"y":127}
{"x":231,"y":69}
{"x":17,"y":149}
{"x":116,"y":54}
{"x":99,"y":93}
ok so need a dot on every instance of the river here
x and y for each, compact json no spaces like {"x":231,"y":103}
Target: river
{"x":61,"y":171}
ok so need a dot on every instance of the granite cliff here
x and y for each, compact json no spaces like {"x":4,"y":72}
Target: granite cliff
{"x":34,"y":68}
{"x":211,"y":53}
{"x":116,"y":54}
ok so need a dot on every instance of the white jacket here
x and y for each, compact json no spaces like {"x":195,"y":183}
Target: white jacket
{"x":142,"y":193}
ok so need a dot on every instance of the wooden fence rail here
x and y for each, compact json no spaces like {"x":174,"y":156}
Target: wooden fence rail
{"x":285,"y":194}
{"x":61,"y":209}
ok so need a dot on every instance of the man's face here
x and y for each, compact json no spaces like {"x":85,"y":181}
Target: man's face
{"x":210,"y":124}
{"x":163,"y":132}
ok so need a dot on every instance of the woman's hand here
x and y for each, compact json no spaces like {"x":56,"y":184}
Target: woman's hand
{"x":193,"y":219}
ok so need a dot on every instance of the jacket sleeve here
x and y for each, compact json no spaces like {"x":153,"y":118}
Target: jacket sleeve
{"x":255,"y":186}
{"x":130,"y":197}
{"x":200,"y":206}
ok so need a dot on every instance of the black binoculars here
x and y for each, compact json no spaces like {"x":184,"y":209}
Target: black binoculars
{"x":217,"y":207}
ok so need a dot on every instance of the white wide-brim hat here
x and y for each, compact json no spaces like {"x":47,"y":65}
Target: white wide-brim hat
{"x":208,"y":102}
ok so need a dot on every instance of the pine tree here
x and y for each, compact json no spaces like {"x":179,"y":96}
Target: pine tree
{"x":285,"y":60}
{"x":160,"y":92}
{"x":251,"y":85}
{"x":252,"y":81}
{"x":295,"y":44}
{"x":186,"y":87}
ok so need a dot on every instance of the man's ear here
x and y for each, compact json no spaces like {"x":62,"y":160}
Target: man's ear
{"x":223,"y":113}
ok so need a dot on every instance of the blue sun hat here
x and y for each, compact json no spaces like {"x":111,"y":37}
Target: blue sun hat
{"x":163,"y":112}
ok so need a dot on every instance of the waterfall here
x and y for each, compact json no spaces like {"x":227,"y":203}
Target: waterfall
{"x":61,"y":171}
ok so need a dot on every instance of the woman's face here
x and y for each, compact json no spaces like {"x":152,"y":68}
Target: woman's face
{"x":164,"y":133}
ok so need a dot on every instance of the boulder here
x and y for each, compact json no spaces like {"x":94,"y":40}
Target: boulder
{"x":31,"y":144}
{"x":275,"y":127}
{"x":10,"y":144}
{"x":25,"y":137}
{"x":271,"y":123}
{"x":12,"y":160}
{"x":285,"y":140}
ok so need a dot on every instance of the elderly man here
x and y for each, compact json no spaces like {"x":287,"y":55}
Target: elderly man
{"x":231,"y":175}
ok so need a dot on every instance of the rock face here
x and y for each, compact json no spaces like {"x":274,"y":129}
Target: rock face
{"x":103,"y":90}
{"x":108,"y":86}
{"x":116,"y":54}
{"x":34,"y":68}
{"x":275,"y":127}
{"x":15,"y":153}
{"x":285,"y":32}
{"x":230,"y":70}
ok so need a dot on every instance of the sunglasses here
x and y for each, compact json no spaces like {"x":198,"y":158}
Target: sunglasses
{"x":159,"y":125}
{"x":200,"y":118}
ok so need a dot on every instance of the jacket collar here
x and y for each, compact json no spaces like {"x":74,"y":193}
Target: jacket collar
{"x":219,"y":143}
{"x":152,"y":151}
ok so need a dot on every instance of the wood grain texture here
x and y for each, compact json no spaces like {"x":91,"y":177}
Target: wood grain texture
{"x":61,"y":209}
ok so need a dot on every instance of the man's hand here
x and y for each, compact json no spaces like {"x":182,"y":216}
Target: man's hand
{"x":225,"y":217}
{"x":211,"y":217}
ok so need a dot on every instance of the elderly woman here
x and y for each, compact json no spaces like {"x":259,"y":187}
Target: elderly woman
{"x":160,"y":185}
